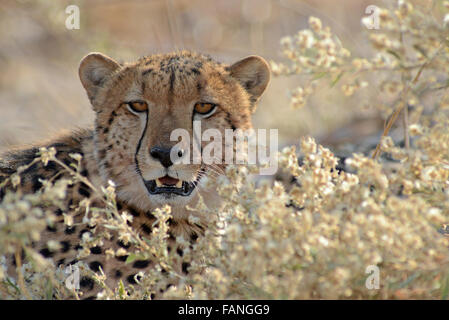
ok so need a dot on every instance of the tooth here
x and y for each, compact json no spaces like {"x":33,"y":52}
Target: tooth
{"x":179,"y":184}
{"x":158,"y":183}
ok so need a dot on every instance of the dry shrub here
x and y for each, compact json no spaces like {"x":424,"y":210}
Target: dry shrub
{"x":314,"y":239}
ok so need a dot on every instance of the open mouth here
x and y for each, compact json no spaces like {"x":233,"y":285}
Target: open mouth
{"x":169,"y":185}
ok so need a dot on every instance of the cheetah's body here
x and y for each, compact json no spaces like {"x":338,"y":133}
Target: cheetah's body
{"x":118,"y":147}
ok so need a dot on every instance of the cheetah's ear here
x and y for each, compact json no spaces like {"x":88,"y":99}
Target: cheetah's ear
{"x":94,"y":69}
{"x":253,"y":73}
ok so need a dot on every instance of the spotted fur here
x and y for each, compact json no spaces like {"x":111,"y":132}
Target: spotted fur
{"x":118,"y":147}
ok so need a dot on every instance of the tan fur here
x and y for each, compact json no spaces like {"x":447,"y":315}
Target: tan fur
{"x":118,"y":148}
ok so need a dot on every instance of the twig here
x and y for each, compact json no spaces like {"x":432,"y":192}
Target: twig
{"x":403,"y":103}
{"x":20,"y":278}
{"x":405,"y":113}
{"x":405,"y":124}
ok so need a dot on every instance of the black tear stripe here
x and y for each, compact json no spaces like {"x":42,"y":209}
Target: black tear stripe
{"x":139,"y":144}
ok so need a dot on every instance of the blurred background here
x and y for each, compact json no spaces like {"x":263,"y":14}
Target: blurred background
{"x":40,"y":93}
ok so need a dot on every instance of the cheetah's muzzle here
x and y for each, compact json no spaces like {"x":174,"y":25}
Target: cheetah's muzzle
{"x":169,"y":185}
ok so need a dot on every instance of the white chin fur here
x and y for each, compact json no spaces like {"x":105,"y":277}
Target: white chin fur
{"x":171,"y":199}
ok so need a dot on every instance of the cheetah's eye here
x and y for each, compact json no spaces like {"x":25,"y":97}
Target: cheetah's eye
{"x":137,"y":106}
{"x":205,"y":109}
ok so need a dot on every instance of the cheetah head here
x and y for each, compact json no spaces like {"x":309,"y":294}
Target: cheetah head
{"x":139,"y":105}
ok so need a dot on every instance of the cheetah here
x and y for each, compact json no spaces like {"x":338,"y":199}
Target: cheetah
{"x":137,"y":105}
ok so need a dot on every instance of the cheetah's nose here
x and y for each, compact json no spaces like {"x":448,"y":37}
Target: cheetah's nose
{"x":162,"y":154}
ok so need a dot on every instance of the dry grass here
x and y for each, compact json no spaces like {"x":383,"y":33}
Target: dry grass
{"x":315,"y":239}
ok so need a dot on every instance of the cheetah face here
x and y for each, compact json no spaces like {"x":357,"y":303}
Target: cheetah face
{"x":139,"y":106}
